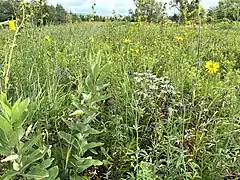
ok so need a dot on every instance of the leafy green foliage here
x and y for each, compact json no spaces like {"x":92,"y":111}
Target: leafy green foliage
{"x":28,"y":158}
{"x":88,"y":95}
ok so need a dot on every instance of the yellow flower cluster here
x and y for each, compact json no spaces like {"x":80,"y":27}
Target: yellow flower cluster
{"x":135,"y":52}
{"x":11,"y":25}
{"x":127,"y":41}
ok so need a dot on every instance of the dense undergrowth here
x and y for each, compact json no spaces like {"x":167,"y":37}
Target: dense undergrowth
{"x":120,"y":101}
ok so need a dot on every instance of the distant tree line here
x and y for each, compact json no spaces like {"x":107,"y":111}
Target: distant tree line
{"x":38,"y":9}
{"x":43,"y":13}
{"x":146,"y":10}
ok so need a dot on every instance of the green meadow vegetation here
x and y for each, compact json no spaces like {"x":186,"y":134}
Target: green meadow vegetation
{"x":120,"y":100}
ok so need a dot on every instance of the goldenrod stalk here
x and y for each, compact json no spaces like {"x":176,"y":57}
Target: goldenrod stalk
{"x":8,"y":63}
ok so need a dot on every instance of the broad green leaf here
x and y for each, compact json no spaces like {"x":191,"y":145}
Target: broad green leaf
{"x":3,"y":98}
{"x":90,"y":146}
{"x":70,"y":124}
{"x":81,"y":127}
{"x":89,"y":118}
{"x":28,"y":145}
{"x":34,"y":156}
{"x":6,"y":109}
{"x":8,"y":175}
{"x":5,"y":126}
{"x":76,"y":177}
{"x":3,"y":140}
{"x":99,"y":98}
{"x":88,"y":82}
{"x":88,"y":162}
{"x":87,"y":97}
{"x":46,"y":163}
{"x":93,"y":131}
{"x":37,"y":173}
{"x":4,"y":150}
{"x":67,"y":137}
{"x":16,"y":136}
{"x":16,"y":104}
{"x":103,"y":68}
{"x":99,"y":88}
{"x":53,"y":173}
{"x":18,"y":110}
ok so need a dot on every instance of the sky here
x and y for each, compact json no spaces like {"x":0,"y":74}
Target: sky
{"x":106,"y":7}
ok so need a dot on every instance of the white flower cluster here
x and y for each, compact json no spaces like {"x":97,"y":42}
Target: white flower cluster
{"x":150,"y":85}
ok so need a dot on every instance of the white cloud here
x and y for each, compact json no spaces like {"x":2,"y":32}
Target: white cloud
{"x":105,"y":7}
{"x":208,"y":4}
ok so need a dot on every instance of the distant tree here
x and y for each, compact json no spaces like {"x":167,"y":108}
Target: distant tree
{"x":61,"y":14}
{"x":174,"y":18}
{"x":211,"y":14}
{"x":51,"y":14}
{"x":149,"y":10}
{"x":189,"y":9}
{"x":6,"y":10}
{"x":75,"y":17}
{"x":228,"y":9}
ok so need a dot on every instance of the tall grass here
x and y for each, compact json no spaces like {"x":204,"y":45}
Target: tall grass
{"x":147,"y":133}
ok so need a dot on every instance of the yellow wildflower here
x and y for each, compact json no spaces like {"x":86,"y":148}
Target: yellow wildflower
{"x":188,"y":22}
{"x":135,"y":52}
{"x":180,"y":38}
{"x":47,"y":38}
{"x":127,"y":41}
{"x":11,"y":25}
{"x":212,"y":67}
{"x":91,"y":39}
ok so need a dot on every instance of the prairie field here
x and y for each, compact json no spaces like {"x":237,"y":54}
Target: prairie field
{"x":120,"y":100}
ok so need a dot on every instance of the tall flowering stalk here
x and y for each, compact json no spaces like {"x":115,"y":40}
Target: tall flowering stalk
{"x":8,"y":58}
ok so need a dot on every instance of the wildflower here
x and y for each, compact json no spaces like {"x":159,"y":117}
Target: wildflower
{"x":180,"y":38}
{"x":166,"y":38}
{"x":135,"y":52}
{"x":91,"y":39}
{"x":188,"y":22}
{"x":212,"y":67}
{"x":127,"y":41}
{"x":92,"y":15}
{"x":47,"y":38}
{"x":11,"y":25}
